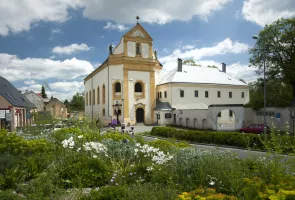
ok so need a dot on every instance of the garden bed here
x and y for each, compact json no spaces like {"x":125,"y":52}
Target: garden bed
{"x":82,"y":163}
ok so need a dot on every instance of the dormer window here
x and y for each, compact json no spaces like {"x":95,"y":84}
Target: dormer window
{"x":138,"y":48}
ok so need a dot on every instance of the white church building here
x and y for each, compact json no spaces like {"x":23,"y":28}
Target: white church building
{"x":128,"y":87}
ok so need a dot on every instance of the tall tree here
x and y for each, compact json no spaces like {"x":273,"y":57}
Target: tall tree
{"x":276,"y":47}
{"x":77,"y":103}
{"x":190,"y":62}
{"x":278,"y":94}
{"x":43,"y":93}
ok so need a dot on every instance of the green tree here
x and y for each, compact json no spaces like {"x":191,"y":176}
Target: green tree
{"x":190,"y":62}
{"x":212,"y":66}
{"x":276,"y":47}
{"x":43,"y":93}
{"x":278,"y":94}
{"x":77,"y":102}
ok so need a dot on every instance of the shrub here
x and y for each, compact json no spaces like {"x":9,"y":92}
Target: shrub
{"x":222,"y":138}
{"x":83,"y":171}
{"x":9,"y":195}
{"x":166,"y":146}
{"x":204,"y":194}
{"x":14,"y":144}
{"x":108,"y":192}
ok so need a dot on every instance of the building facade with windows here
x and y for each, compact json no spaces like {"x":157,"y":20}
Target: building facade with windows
{"x":128,"y":87}
{"x":123,"y":87}
{"x":202,"y":98}
{"x":15,"y":108}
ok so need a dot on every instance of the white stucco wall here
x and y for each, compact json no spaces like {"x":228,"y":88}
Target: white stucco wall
{"x":145,"y":50}
{"x":157,"y":76}
{"x":120,"y":48}
{"x":196,"y":118}
{"x":144,"y":77}
{"x":189,"y":101}
{"x":283,"y":123}
{"x":99,"y":79}
{"x":131,"y":50}
{"x":225,"y":122}
{"x":163,"y":120}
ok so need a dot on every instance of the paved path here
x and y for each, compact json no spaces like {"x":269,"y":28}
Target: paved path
{"x":241,"y":153}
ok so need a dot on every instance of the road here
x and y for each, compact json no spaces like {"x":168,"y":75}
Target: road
{"x":241,"y":153}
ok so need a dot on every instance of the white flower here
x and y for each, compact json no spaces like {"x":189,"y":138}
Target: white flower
{"x":149,"y":169}
{"x":137,"y":145}
{"x":130,"y":174}
{"x":80,"y":136}
{"x":78,"y":149}
{"x":211,"y":183}
{"x":94,"y":156}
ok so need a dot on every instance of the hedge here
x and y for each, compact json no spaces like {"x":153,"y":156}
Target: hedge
{"x":209,"y":137}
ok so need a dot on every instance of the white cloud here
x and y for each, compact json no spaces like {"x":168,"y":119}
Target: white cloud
{"x":17,"y":16}
{"x":52,"y":57}
{"x":66,"y":89}
{"x":66,"y":86}
{"x":61,"y":90}
{"x":264,"y":12}
{"x":152,"y":11}
{"x":33,"y":87}
{"x":70,"y":49}
{"x":200,"y":56}
{"x":13,"y":68}
{"x":224,"y":47}
{"x":188,"y":47}
{"x":56,"y":31}
{"x":244,"y":72}
{"x":29,"y":82}
{"x":119,"y":27}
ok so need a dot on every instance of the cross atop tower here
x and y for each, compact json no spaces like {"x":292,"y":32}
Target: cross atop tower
{"x":137,"y":18}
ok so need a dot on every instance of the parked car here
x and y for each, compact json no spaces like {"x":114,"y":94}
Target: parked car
{"x":255,"y":128}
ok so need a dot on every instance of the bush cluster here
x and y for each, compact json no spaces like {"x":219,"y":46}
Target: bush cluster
{"x":209,"y":137}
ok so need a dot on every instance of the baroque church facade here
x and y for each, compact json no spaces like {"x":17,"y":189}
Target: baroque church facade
{"x":128,"y":87}
{"x":124,"y":85}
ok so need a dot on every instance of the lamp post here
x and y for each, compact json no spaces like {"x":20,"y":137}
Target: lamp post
{"x":255,"y":37}
{"x":292,"y":115}
{"x":122,"y":98}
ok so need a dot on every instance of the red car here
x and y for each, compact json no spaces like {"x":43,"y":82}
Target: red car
{"x":255,"y":128}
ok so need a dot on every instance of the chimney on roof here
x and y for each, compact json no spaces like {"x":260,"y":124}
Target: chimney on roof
{"x":224,"y":67}
{"x":179,"y":67}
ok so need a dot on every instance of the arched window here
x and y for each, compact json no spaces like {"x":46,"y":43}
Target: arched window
{"x":103,"y":94}
{"x":118,"y":87}
{"x":138,"y":48}
{"x":93,"y":97}
{"x":86,"y":99}
{"x":89,"y":98}
{"x":138,"y":87}
{"x":98,"y":99}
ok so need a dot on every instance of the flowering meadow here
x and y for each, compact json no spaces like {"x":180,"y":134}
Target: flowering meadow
{"x":85,"y":163}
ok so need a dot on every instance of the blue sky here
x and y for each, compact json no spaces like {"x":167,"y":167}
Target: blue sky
{"x":59,"y":42}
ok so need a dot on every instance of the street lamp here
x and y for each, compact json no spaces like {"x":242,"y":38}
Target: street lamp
{"x":292,"y":115}
{"x":122,"y":98}
{"x":255,"y":37}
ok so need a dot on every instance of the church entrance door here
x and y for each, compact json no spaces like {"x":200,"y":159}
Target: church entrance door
{"x":139,"y":115}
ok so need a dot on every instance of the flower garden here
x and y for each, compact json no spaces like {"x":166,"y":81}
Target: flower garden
{"x":83,"y":163}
